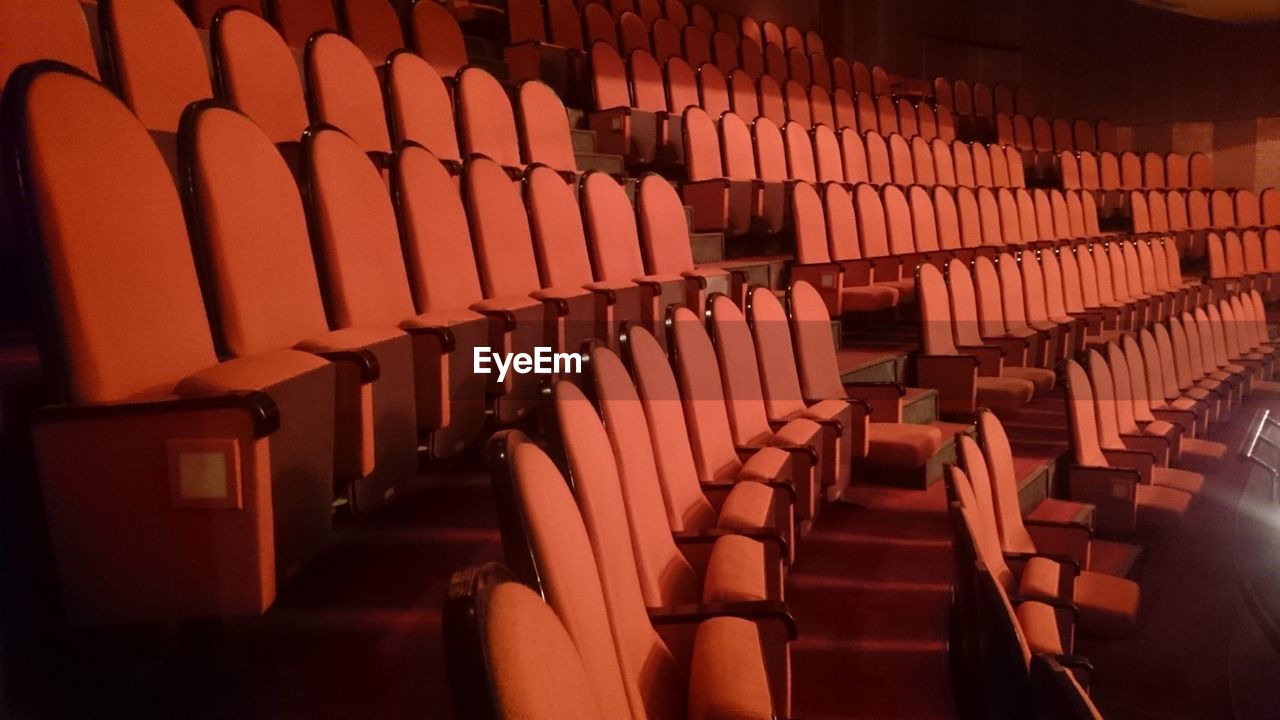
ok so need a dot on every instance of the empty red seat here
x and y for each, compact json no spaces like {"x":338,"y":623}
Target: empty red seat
{"x":419,"y":109}
{"x":486,"y":121}
{"x":664,"y":241}
{"x":507,"y":260}
{"x":177,"y":440}
{"x":252,"y":238}
{"x":157,"y":62}
{"x":203,"y":11}
{"x":343,"y":91}
{"x":298,"y":20}
{"x":435,"y":35}
{"x":719,"y":203}
{"x":447,"y":293}
{"x":44,"y":30}
{"x":545,"y":136}
{"x":258,"y":75}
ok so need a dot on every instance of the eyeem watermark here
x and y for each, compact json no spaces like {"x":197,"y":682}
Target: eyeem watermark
{"x":542,"y":362}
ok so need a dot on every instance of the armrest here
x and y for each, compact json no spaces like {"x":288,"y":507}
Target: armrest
{"x":884,"y":398}
{"x":1015,"y":349}
{"x":1063,"y":539}
{"x":261,"y":409}
{"x":769,"y":536}
{"x":448,"y":342}
{"x":1060,"y":559}
{"x":955,"y":377}
{"x":1056,"y":603}
{"x":807,"y":451}
{"x":559,"y":304}
{"x":857,"y":273}
{"x":753,"y":610}
{"x":506,"y":317}
{"x":1136,"y":460}
{"x":718,"y":487}
{"x":990,"y":358}
{"x":1112,"y":490}
{"x":1156,"y":446}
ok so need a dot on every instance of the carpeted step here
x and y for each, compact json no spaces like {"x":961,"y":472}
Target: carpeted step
{"x":604,"y":162}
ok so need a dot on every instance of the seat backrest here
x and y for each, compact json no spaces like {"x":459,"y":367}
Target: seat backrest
{"x":598,"y":26}
{"x":842,"y":223}
{"x":437,"y":37}
{"x":1248,"y":211}
{"x":629,"y":498}
{"x":873,"y":230}
{"x":1221,"y":210}
{"x":922,"y":162}
{"x":926,"y":122}
{"x":936,"y":332}
{"x":44,"y":30}
{"x":156,"y":60}
{"x":810,"y":225}
{"x":1085,"y":445}
{"x":1010,"y":221}
{"x":991,"y":309}
{"x":655,"y":386}
{"x":998,"y":454}
{"x":751,"y":57}
{"x":298,"y":20}
{"x":900,"y":160}
{"x":924,"y":228}
{"x":779,"y":377}
{"x":999,"y":167}
{"x":342,"y":90}
{"x":1104,"y":401}
{"x":1176,"y":171}
{"x":897,"y":215}
{"x":1200,"y":170}
{"x":815,"y":349}
{"x":102,"y":213}
{"x":946,"y":218}
{"x":713,"y":91}
{"x":545,"y":136}
{"x":612,"y":234}
{"x":256,"y":72}
{"x":506,"y":650}
{"x":853,"y":155}
{"x":826,"y":149}
{"x":1130,"y":170}
{"x":739,"y":370}
{"x":702,"y":146}
{"x":608,"y":76}
{"x":1163,"y":344}
{"x":799,"y":149}
{"x":771,"y":154}
{"x":572,"y":581}
{"x":559,"y":240}
{"x":499,"y":230}
{"x":648,"y":88}
{"x":944,"y":165}
{"x":820,"y":109}
{"x":963,"y":159}
{"x":970,"y":217}
{"x":1198,"y":215}
{"x":355,"y":235}
{"x":775,"y":62}
{"x":697,"y":45}
{"x":982,"y":176}
{"x":979,"y":516}
{"x":435,"y":232}
{"x":908,"y":122}
{"x":744,"y":98}
{"x":989,"y":214}
{"x":886,"y":115}
{"x":946,"y":124}
{"x":564,"y":24}
{"x":772,"y":104}
{"x":682,"y":85}
{"x":1013,"y":295}
{"x":1054,"y":294}
{"x":796,"y":99}
{"x":250,"y":231}
{"x":486,"y":122}
{"x":419,"y":108}
{"x":1269,"y":204}
{"x":702,"y":396}
{"x":737,"y":149}
{"x":524,"y":22}
{"x":666,"y":40}
{"x":942,"y":92}
{"x":664,"y":234}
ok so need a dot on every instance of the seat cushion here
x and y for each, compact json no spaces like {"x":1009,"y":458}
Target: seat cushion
{"x":1161,"y":505}
{"x":868,"y":298}
{"x":354,"y":338}
{"x":735,"y":571}
{"x":903,"y":445}
{"x":255,"y":372}
{"x":1108,"y":604}
{"x":769,"y":463}
{"x":906,"y":289}
{"x":1041,"y":578}
{"x":1203,"y":449}
{"x":1184,"y":480}
{"x":727,"y":676}
{"x":797,"y":432}
{"x":1040,"y":628}
{"x":749,"y":505}
{"x":1004,"y":393}
{"x":1161,"y":428}
{"x":1043,"y":379}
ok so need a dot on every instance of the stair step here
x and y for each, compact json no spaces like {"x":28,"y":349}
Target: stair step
{"x":879,"y":365}
{"x":494,"y":66}
{"x":584,"y":141}
{"x":707,"y":247}
{"x":920,"y":406}
{"x":688,"y":217}
{"x":920,"y":478}
{"x":604,"y":162}
{"x":577,"y":118}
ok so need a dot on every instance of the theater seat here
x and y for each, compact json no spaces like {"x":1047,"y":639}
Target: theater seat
{"x":448,"y":294}
{"x":966,"y":376}
{"x":435,"y":35}
{"x":1108,"y":604}
{"x":1119,"y":484}
{"x":253,"y":248}
{"x":738,"y":568}
{"x":723,"y":426}
{"x":60,"y":33}
{"x":508,"y":652}
{"x":141,"y":394}
{"x":258,"y":75}
{"x":419,"y":108}
{"x":157,"y":63}
{"x":651,"y":438}
{"x":486,"y":121}
{"x":544,"y":128}
{"x":373,"y":25}
{"x":343,"y":91}
{"x":586,"y":570}
{"x":665,"y":243}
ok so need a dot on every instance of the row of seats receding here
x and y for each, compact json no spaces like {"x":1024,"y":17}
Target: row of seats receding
{"x":342,"y":320}
{"x":1130,"y":171}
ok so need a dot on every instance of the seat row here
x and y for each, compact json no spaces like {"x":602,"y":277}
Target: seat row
{"x":1048,"y":135}
{"x":369,"y":354}
{"x":622,"y":537}
{"x":1130,"y":171}
{"x":864,"y":238}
